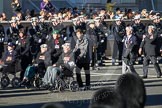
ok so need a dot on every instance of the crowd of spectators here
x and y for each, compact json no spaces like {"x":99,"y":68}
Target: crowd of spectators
{"x":48,"y":11}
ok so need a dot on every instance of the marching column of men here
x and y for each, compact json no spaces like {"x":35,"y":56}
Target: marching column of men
{"x":88,"y":41}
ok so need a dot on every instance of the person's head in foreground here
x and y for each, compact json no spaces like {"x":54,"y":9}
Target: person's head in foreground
{"x":106,"y":98}
{"x":52,"y":105}
{"x":132,"y":90}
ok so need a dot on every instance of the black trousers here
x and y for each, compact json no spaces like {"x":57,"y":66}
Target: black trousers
{"x":86,"y":68}
{"x":146,"y":64}
{"x":25,"y":61}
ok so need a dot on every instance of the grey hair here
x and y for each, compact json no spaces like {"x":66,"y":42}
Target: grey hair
{"x":129,"y":27}
{"x":151,"y":26}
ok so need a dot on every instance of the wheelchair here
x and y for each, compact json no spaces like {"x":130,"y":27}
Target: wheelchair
{"x":65,"y":81}
{"x":12,"y":69}
{"x":37,"y":81}
{"x":34,"y":73}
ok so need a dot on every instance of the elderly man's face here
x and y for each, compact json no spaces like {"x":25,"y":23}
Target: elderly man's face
{"x":43,"y":49}
{"x":150,"y":30}
{"x":66,"y":47}
{"x":128,"y":31}
{"x":55,"y":36}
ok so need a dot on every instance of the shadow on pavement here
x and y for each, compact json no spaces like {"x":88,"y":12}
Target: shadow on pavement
{"x":22,"y":94}
{"x":154,"y":100}
{"x":18,"y":90}
{"x":67,"y":104}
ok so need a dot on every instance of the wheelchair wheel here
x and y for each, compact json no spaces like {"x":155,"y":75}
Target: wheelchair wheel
{"x":5,"y":81}
{"x":60,"y":89}
{"x":73,"y":86}
{"x":15,"y":82}
{"x":38,"y":82}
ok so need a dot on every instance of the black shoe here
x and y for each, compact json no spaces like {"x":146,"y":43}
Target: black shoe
{"x":87,"y":88}
{"x":105,"y":58}
{"x":120,"y":63}
{"x":158,"y":76}
{"x":101,"y":64}
{"x":144,"y":77}
{"x":27,"y":85}
{"x":23,"y":82}
{"x":113,"y":64}
{"x":51,"y":88}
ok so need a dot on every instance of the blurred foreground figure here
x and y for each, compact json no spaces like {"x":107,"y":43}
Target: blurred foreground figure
{"x":106,"y":98}
{"x":132,"y":90}
{"x":52,"y":105}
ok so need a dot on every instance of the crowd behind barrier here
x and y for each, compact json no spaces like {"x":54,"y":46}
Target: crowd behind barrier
{"x":58,"y":41}
{"x":109,"y":23}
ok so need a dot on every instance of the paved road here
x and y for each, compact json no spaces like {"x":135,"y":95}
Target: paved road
{"x":106,"y":76}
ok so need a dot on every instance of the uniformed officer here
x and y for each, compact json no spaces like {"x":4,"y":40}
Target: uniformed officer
{"x":44,"y":28}
{"x":102,"y":40}
{"x":58,"y":25}
{"x":92,"y":38}
{"x":2,"y":40}
{"x":158,"y":30}
{"x":138,"y":30}
{"x":36,"y":35}
{"x":12,"y":32}
{"x":148,"y":46}
{"x":119,"y":32}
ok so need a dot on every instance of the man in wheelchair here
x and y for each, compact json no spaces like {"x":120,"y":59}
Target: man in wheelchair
{"x":43,"y":60}
{"x":9,"y":59}
{"x":9,"y":66}
{"x":63,"y":67}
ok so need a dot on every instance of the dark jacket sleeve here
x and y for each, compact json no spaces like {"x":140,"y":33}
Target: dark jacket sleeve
{"x":47,"y":60}
{"x":60,"y":61}
{"x":133,"y":44}
{"x":59,"y":51}
{"x":142,"y":44}
{"x":27,"y":47}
